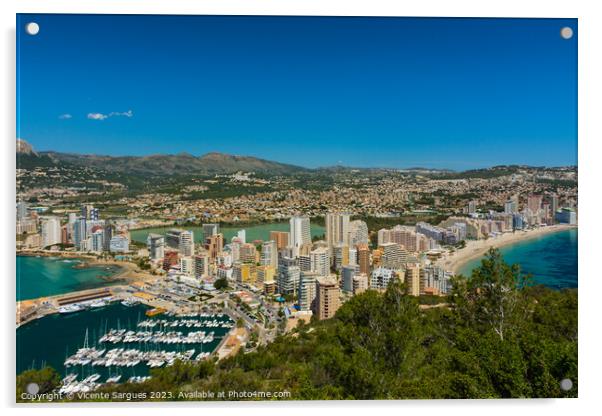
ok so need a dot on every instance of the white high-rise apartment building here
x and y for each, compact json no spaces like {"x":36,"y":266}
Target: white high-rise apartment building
{"x":305,"y":262}
{"x":51,"y":231}
{"x":300,"y":234}
{"x":288,"y":276}
{"x":234,"y":248}
{"x":80,"y":234}
{"x":156,"y":246}
{"x":183,"y":240}
{"x":381,"y":277}
{"x":98,"y":241}
{"x":187,"y":243}
{"x":187,"y":265}
{"x":269,"y":254}
{"x":358,"y":233}
{"x":307,"y":290}
{"x":22,"y":212}
{"x":320,"y":261}
{"x":394,"y":255}
{"x":337,"y":229}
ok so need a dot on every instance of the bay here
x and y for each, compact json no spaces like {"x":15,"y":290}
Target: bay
{"x":551,"y":259}
{"x":47,"y":276}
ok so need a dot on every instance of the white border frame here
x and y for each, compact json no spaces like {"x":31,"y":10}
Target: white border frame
{"x":590,"y":134}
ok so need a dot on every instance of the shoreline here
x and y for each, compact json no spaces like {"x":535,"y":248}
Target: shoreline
{"x":477,"y":248}
{"x":88,"y":262}
{"x":128,"y":272}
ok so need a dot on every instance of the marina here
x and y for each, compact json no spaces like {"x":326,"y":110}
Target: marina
{"x":121,"y":357}
{"x":116,"y":343}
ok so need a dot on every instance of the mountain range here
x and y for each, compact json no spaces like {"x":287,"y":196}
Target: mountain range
{"x":221,"y":163}
{"x":160,"y":164}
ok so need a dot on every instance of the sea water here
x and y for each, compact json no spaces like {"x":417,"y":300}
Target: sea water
{"x":551,"y":259}
{"x":47,"y":276}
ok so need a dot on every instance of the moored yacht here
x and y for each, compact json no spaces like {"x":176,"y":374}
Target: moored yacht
{"x":74,"y":307}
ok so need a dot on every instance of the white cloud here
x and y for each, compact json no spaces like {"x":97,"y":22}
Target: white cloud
{"x":100,"y":116}
{"x":65,"y":116}
{"x":128,"y":113}
{"x":97,"y":116}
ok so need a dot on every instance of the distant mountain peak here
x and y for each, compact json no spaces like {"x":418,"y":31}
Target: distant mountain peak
{"x":25,"y":148}
{"x":184,"y":154}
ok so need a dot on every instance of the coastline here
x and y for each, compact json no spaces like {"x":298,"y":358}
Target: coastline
{"x":477,"y":248}
{"x":127,"y":272}
{"x":89,"y":261}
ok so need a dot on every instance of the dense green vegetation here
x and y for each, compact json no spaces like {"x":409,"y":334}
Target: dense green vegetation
{"x":221,"y":283}
{"x":226,"y":190}
{"x":496,"y":337}
{"x":31,"y":161}
{"x":46,"y":380}
{"x":557,"y":184}
{"x":486,"y":173}
{"x":376,"y":223}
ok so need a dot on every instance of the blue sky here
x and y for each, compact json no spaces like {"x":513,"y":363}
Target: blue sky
{"x":312,"y":91}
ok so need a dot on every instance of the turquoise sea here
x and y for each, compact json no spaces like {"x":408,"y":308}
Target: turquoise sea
{"x":46,"y":276}
{"x":551,"y":259}
{"x":254,"y":232}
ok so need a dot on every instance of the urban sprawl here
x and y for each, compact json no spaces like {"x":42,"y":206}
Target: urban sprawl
{"x":305,"y":276}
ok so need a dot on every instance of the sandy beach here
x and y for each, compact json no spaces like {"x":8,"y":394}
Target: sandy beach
{"x":476,"y":248}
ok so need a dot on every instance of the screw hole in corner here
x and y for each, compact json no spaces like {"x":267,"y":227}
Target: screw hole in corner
{"x":32,"y":28}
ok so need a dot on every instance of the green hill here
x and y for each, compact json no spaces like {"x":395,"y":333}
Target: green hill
{"x":179,"y":164}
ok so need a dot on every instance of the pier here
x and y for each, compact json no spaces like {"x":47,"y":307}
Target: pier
{"x":85,"y":296}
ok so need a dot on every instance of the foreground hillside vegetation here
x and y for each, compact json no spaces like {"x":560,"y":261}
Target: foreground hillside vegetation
{"x":496,"y":338}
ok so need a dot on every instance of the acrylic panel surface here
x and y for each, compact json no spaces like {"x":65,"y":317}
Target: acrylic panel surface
{"x":295,"y":208}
